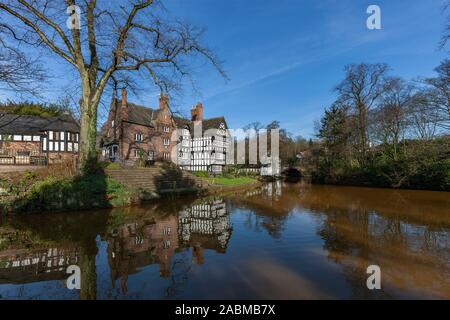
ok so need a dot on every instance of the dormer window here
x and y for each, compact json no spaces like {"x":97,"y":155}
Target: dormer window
{"x":166,"y":129}
{"x":138,"y":137}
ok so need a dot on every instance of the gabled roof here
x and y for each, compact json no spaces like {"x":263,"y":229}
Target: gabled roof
{"x":146,"y":116}
{"x":23,"y":124}
{"x":139,"y":114}
{"x":212,"y":123}
{"x":182,"y":122}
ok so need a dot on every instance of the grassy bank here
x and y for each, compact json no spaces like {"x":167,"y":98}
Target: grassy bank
{"x":231,"y":181}
{"x":33,"y":194}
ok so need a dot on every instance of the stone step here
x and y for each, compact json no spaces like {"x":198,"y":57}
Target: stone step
{"x":154,"y":179}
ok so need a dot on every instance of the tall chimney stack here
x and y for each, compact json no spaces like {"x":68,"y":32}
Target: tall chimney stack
{"x":163,"y":101}
{"x":197,"y":112}
{"x":124,"y":97}
{"x":123,"y":107}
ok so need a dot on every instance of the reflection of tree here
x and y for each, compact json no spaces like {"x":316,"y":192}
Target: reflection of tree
{"x":88,"y":290}
{"x":61,"y":240}
{"x":181,"y":267}
{"x":359,"y":231}
{"x":269,"y":208}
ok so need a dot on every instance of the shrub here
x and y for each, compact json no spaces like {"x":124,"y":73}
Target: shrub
{"x":113,"y":166}
{"x":201,"y":174}
{"x":78,"y":193}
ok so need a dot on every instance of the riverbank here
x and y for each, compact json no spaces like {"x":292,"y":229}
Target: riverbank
{"x":53,"y":194}
{"x":280,"y":226}
{"x":52,"y":191}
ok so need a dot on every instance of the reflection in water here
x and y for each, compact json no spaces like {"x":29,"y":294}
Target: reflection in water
{"x":205,"y":225}
{"x":279,"y":241}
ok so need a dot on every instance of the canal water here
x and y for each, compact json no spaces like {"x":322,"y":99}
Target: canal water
{"x":280,"y":241}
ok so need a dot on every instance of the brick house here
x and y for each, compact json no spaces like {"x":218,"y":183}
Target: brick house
{"x":34,"y":140}
{"x":134,"y":132}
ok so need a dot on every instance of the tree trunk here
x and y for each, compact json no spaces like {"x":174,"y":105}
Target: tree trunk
{"x":88,"y":131}
{"x":362,"y":135}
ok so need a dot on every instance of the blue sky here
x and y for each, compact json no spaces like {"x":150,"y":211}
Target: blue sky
{"x":284,"y":57}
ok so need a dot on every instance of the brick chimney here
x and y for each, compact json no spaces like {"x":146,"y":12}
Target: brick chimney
{"x":163,"y":101}
{"x":123,"y":107}
{"x":197,"y":112}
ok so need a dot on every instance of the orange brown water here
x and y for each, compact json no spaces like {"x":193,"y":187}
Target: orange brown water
{"x":281,"y":241}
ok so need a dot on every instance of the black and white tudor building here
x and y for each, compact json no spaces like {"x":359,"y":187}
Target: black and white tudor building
{"x":202,"y":145}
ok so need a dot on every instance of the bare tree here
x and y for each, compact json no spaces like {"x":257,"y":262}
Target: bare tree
{"x":391,"y":116}
{"x":17,"y":71}
{"x":361,"y":89}
{"x":440,"y":90}
{"x":423,"y":118}
{"x":446,"y":35}
{"x":104,"y":41}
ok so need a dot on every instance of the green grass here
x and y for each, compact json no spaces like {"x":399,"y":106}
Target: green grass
{"x":81,"y":192}
{"x":230,"y":181}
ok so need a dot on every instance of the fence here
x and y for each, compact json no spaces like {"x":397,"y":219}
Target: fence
{"x":249,"y":170}
{"x":23,"y":157}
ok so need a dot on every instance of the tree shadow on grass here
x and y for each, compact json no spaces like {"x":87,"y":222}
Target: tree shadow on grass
{"x":173,"y":181}
{"x":81,"y":192}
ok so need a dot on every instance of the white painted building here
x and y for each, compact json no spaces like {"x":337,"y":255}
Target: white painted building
{"x":202,"y":143}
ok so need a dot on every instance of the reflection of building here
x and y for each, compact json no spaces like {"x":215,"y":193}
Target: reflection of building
{"x":205,"y":225}
{"x":41,"y":265}
{"x":269,"y":191}
{"x":133,"y":246}
{"x":138,"y":244}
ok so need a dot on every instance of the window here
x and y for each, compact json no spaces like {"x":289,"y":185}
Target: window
{"x":27,"y":138}
{"x":166,"y":156}
{"x":75,"y":147}
{"x":5,"y":137}
{"x":61,"y":137}
{"x":138,"y":153}
{"x":62,"y":146}
{"x":50,"y":135}
{"x":112,"y":123}
{"x":77,"y":137}
{"x":56,"y":146}
{"x":166,"y":141}
{"x":138,"y":137}
{"x":44,"y":144}
{"x":70,"y":146}
{"x":36,"y":138}
{"x":17,"y":137}
{"x":166,"y":129}
{"x":50,"y":146}
{"x":69,"y":136}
